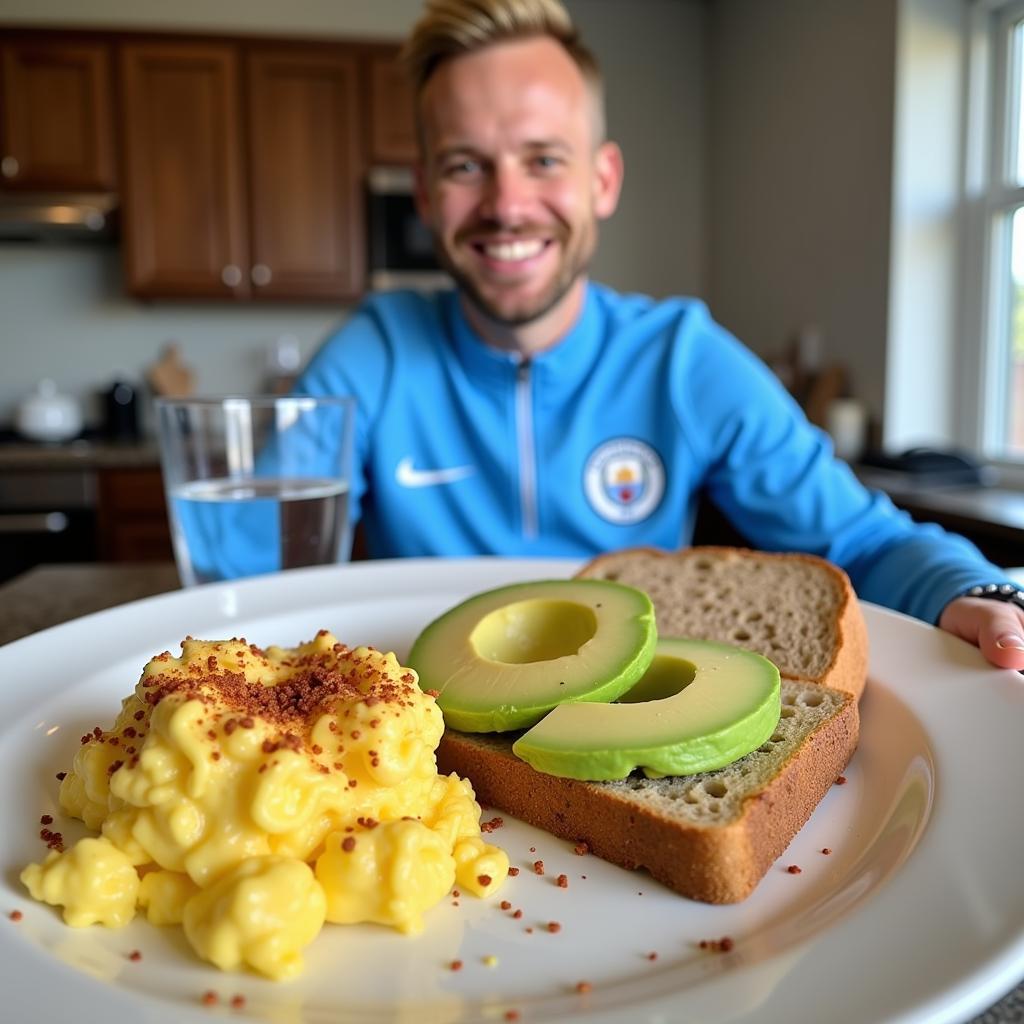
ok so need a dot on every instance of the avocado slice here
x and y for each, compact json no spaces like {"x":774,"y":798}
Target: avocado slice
{"x":700,"y":706}
{"x":503,"y":659}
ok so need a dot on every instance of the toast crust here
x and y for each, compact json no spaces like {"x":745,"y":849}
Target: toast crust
{"x":847,"y":670}
{"x":713,"y":864}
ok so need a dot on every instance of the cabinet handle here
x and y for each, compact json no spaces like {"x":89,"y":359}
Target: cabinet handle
{"x":9,"y":167}
{"x":231,"y":276}
{"x":261,"y":275}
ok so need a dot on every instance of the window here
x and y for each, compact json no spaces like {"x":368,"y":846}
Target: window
{"x":994,"y":261}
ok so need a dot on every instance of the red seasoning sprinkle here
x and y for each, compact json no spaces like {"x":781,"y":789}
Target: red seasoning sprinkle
{"x":237,"y":1002}
{"x":518,"y":914}
{"x":580,"y":849}
{"x":722,"y":945}
{"x":46,"y":819}
{"x":554,"y":927}
{"x":484,"y":880}
{"x":513,"y":871}
{"x":456,"y":965}
{"x":563,"y":881}
{"x":135,"y":956}
{"x":825,"y":850}
{"x":538,"y":867}
{"x":505,"y":905}
{"x":794,"y":869}
{"x":210,"y":998}
{"x":583,"y":986}
{"x":62,"y":776}
{"x":841,"y":781}
{"x":16,"y":915}
{"x":652,"y":956}
{"x":348,"y":844}
{"x":490,"y":826}
{"x":511,"y":1015}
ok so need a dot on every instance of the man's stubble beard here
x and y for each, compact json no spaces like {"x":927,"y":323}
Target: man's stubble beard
{"x":575,"y":266}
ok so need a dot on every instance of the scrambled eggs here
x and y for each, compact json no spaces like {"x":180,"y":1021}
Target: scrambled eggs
{"x":251,"y":795}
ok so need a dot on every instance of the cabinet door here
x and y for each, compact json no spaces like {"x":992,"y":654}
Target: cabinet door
{"x":57,"y":118}
{"x":132,"y":516}
{"x":392,"y":133}
{"x":184,"y":193}
{"x":305,"y":167}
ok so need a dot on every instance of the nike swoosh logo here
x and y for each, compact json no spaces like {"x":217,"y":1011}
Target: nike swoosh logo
{"x":408,"y":476}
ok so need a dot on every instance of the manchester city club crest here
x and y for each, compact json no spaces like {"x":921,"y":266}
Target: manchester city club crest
{"x":624,"y":480}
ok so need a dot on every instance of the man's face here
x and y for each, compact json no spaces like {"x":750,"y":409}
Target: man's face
{"x":513,"y":182}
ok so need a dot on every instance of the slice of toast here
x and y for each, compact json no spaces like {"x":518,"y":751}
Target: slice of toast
{"x":710,"y":836}
{"x":798,"y":611}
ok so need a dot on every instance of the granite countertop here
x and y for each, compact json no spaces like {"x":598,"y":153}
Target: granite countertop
{"x":49,"y":595}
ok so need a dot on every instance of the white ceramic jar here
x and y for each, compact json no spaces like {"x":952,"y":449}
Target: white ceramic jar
{"x":48,"y":415}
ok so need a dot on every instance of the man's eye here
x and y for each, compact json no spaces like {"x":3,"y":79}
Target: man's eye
{"x":459,"y":169}
{"x":544,"y":162}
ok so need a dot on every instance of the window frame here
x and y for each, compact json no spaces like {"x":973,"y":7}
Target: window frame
{"x":991,"y":138}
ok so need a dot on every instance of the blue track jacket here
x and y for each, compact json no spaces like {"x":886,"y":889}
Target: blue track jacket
{"x":603,"y":442}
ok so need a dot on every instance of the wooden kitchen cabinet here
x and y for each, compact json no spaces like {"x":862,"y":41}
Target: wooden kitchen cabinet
{"x":243,"y":166}
{"x":132,"y":516}
{"x":304,"y":173}
{"x":185,"y":228}
{"x":56,"y":113}
{"x":392,"y":134}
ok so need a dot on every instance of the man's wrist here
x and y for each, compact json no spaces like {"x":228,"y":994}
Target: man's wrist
{"x":1009,"y":593}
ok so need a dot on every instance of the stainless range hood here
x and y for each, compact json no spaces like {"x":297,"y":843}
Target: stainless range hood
{"x":58,"y":216}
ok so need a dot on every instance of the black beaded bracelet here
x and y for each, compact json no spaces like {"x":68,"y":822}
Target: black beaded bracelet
{"x":999,"y":592}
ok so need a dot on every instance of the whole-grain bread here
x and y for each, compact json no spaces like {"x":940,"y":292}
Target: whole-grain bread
{"x":710,"y":836}
{"x":797,"y":610}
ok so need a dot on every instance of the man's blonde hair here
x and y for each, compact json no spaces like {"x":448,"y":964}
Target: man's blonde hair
{"x":450,"y":28}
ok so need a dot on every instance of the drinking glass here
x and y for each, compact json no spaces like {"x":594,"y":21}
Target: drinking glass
{"x":255,"y":484}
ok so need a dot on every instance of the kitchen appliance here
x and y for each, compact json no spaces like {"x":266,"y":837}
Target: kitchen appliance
{"x":121,"y":412}
{"x":46,"y":516}
{"x":401,"y":248}
{"x":58,"y":216}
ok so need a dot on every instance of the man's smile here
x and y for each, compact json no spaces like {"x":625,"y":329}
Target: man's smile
{"x":510,"y":255}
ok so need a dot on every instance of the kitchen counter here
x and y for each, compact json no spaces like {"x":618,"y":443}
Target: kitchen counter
{"x":992,"y":517}
{"x":53,"y":594}
{"x":36,"y":456}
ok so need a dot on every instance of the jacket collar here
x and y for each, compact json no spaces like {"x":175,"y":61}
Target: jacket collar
{"x":564,"y":363}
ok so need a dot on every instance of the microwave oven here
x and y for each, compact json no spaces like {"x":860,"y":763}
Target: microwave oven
{"x":401,"y":247}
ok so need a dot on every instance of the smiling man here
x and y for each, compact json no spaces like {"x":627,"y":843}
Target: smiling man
{"x":517,"y":174}
{"x":531,"y":412}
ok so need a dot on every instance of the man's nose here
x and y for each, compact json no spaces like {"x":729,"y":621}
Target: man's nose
{"x":507,"y":197}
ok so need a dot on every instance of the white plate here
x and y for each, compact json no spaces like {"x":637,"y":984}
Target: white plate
{"x":917,"y":914}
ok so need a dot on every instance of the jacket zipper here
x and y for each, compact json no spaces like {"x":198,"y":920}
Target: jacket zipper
{"x":526,"y":451}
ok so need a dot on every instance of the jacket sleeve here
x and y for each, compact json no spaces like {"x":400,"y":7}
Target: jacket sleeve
{"x":775,"y":476}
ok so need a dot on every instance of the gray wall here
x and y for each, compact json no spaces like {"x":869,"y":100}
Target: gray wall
{"x":801,"y":126}
{"x":62,"y":311}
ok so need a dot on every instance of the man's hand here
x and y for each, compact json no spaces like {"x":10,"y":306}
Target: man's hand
{"x":994,"y":626}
